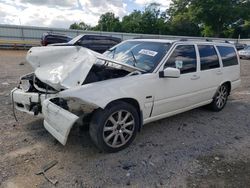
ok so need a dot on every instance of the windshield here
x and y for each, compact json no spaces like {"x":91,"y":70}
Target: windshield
{"x":74,"y":40}
{"x":142,"y":54}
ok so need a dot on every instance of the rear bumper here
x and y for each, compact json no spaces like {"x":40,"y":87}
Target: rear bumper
{"x":58,"y":121}
{"x":25,"y":101}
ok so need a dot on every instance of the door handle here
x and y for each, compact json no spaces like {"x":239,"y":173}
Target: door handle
{"x":195,"y":77}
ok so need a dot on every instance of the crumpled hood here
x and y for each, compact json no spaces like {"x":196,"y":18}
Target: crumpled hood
{"x":61,"y":67}
{"x":64,"y":67}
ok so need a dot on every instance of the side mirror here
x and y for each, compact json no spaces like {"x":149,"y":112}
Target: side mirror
{"x":170,"y":73}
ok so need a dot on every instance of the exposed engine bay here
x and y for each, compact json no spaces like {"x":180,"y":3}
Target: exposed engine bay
{"x":30,"y":83}
{"x":102,"y":72}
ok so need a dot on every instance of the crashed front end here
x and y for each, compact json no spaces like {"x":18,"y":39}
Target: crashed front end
{"x":30,"y":94}
{"x":39,"y":93}
{"x":61,"y":114}
{"x":60,"y":69}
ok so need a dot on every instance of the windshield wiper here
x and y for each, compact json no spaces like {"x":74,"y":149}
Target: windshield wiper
{"x":112,"y":50}
{"x":135,"y":61}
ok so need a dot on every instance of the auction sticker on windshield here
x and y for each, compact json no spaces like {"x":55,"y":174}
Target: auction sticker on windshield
{"x":148,"y":52}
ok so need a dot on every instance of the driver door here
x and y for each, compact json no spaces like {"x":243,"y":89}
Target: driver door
{"x":176,"y":94}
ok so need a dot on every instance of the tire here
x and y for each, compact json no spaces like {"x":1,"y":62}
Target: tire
{"x":111,"y":133}
{"x":220,"y":98}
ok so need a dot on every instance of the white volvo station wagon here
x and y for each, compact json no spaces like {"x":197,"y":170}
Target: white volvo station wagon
{"x":135,"y":82}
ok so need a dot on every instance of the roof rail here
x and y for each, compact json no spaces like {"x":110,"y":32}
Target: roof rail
{"x":205,"y":39}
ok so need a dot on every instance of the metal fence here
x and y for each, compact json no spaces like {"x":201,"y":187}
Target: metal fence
{"x":31,"y":35}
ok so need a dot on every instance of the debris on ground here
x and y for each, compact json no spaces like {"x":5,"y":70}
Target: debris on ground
{"x":46,"y":168}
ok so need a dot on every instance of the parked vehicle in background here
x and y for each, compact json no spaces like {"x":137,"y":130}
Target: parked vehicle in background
{"x":245,"y":53}
{"x":134,"y":83}
{"x":240,"y":46}
{"x":51,"y":38}
{"x":96,"y":43}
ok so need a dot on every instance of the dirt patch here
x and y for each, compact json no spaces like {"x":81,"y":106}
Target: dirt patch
{"x":217,"y":172}
{"x":20,"y":182}
{"x":23,"y":151}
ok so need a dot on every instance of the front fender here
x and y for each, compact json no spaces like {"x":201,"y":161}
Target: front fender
{"x":99,"y":94}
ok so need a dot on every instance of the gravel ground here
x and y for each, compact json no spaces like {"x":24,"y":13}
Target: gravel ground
{"x":198,"y":148}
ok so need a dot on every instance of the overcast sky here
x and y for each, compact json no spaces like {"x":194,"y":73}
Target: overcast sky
{"x":62,"y":13}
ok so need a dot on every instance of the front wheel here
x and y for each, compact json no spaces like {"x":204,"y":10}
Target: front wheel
{"x":220,"y":99}
{"x":115,"y":127}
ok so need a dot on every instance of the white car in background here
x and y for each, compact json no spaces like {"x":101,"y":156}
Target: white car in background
{"x":245,"y":53}
{"x":135,"y":82}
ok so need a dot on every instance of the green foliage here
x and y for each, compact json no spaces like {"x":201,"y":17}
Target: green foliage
{"x":183,"y":24}
{"x":108,"y":22}
{"x":215,"y":18}
{"x":132,"y":22}
{"x":80,"y":26}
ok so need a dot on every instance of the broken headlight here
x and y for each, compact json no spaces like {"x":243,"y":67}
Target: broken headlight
{"x":25,"y":85}
{"x":26,"y":82}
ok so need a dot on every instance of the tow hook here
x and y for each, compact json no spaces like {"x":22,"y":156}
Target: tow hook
{"x":36,"y":109}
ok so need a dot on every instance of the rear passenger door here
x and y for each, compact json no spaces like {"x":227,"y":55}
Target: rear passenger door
{"x":210,"y":73}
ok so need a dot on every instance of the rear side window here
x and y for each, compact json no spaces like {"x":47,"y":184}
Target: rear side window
{"x":209,"y":57}
{"x":183,"y":58}
{"x":228,"y":56}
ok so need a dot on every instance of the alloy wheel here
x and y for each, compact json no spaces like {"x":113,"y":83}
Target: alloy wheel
{"x":221,"y":96}
{"x":118,"y":128}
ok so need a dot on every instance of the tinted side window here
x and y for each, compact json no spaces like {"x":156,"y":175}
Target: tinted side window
{"x":209,"y":57}
{"x":228,"y":56}
{"x":183,"y":58}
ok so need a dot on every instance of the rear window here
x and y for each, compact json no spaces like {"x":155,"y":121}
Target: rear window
{"x":228,"y":55}
{"x":209,"y":57}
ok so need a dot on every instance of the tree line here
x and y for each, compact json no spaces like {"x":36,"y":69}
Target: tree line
{"x":208,"y":18}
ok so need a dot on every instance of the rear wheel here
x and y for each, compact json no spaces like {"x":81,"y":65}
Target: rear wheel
{"x":220,"y":99}
{"x":115,"y":127}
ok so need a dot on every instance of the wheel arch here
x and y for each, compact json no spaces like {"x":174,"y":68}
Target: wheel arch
{"x":228,"y":84}
{"x":135,"y":104}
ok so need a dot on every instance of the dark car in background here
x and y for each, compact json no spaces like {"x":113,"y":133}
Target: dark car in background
{"x":51,"y":38}
{"x":96,"y":43}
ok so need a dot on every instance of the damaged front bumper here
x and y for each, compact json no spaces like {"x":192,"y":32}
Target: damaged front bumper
{"x":57,"y":120}
{"x":29,"y":102}
{"x":59,"y":114}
